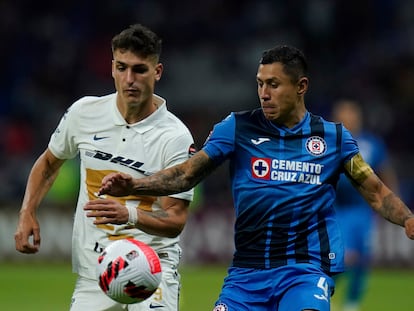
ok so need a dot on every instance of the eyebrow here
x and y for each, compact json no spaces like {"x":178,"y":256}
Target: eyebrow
{"x":118,"y":62}
{"x":123,"y":63}
{"x":272,"y":79}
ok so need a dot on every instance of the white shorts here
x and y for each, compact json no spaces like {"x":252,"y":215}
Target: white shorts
{"x":89,"y":296}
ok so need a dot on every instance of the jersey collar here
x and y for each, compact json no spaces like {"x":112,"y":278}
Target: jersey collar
{"x":296,"y":127}
{"x":149,"y":122}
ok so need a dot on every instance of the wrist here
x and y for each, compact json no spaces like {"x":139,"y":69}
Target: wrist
{"x":407,"y":217}
{"x":132,"y":215}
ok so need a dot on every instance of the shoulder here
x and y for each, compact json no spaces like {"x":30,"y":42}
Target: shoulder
{"x":91,"y":101}
{"x":169,"y":129}
{"x":246,"y":118}
{"x":174,"y":123}
{"x":89,"y":109}
{"x":314,"y":118}
{"x":319,"y":123}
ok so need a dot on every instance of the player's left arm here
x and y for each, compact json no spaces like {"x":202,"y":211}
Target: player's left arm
{"x":169,"y":221}
{"x":378,"y":195}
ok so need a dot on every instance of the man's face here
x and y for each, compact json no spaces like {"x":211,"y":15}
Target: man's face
{"x":279,"y":95}
{"x":134,"y":77}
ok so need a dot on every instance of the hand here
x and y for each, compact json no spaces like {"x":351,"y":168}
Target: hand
{"x":27,"y":227}
{"x":107,"y":212}
{"x":116,"y":184}
{"x":409,"y":227}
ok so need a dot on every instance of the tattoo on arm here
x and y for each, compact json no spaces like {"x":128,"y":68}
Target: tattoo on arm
{"x":178,"y":178}
{"x":157,"y":214}
{"x":394,"y":210}
{"x":385,"y":202}
{"x":48,"y":175}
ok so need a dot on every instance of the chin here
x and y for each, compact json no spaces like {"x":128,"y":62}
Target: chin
{"x":270,"y":116}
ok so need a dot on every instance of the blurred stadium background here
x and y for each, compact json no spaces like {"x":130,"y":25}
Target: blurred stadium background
{"x":55,"y":52}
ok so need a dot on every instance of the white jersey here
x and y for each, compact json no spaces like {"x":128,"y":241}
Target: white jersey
{"x":94,"y":128}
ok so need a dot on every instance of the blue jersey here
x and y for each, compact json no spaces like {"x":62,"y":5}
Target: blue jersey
{"x":283,"y":184}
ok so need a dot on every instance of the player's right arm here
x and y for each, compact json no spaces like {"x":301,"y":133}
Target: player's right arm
{"x":182,"y":177}
{"x":175,"y":179}
{"x":40,"y":180}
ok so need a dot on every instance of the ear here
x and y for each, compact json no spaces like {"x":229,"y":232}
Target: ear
{"x":158,"y":71}
{"x":303,"y":85}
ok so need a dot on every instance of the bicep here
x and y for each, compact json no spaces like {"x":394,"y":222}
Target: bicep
{"x":41,"y":178}
{"x":175,"y":208}
{"x":357,"y":170}
{"x":46,"y":166}
{"x":169,"y":221}
{"x":52,"y":161}
{"x":366,"y":181}
{"x":198,"y":166}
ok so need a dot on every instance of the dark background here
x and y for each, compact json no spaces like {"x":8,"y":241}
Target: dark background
{"x":53,"y":53}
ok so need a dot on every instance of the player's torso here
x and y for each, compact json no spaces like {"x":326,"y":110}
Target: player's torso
{"x":299,"y":164}
{"x":107,"y":144}
{"x":283,"y":184}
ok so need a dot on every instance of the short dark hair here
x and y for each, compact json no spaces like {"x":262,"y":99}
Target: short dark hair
{"x":139,"y":40}
{"x":293,"y":60}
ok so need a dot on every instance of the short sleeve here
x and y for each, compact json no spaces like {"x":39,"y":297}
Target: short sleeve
{"x":349,"y":145}
{"x":220,"y":143}
{"x":62,"y":142}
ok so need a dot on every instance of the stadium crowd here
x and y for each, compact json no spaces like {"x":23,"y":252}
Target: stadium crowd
{"x":55,"y":52}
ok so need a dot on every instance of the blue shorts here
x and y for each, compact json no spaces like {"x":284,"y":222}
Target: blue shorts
{"x":296,"y":287}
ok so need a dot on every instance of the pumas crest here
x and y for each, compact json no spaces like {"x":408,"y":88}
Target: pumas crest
{"x":316,"y":146}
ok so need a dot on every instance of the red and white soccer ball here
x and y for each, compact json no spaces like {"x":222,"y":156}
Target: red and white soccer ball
{"x":129,"y":271}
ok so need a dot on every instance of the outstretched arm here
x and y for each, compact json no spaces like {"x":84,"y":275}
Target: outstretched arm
{"x":41,"y":178}
{"x":178,"y":178}
{"x":378,"y":195}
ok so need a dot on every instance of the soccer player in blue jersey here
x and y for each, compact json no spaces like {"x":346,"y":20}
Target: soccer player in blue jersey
{"x":355,"y":217}
{"x":284,"y":165}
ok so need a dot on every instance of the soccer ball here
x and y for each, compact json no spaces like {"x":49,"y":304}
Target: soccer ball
{"x":129,"y":271}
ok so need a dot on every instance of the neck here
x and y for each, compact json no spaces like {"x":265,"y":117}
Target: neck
{"x":292,"y":119}
{"x":135,"y":112}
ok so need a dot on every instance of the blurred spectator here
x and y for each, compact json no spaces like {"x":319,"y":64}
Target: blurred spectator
{"x":16,"y":146}
{"x":210,"y":46}
{"x":355,"y":216}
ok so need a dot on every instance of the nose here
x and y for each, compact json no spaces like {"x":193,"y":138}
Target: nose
{"x":130,"y":76}
{"x":264,"y":92}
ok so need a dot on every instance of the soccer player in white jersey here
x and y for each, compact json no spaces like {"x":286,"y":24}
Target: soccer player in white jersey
{"x":284,"y":164}
{"x":128,"y":131}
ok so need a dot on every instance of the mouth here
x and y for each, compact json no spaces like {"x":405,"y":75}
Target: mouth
{"x":131,"y":92}
{"x":268,"y":109}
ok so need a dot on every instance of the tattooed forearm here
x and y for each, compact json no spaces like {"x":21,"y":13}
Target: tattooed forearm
{"x":176,"y":179}
{"x":157,"y":214}
{"x":394,"y":210}
{"x":380,"y":197}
